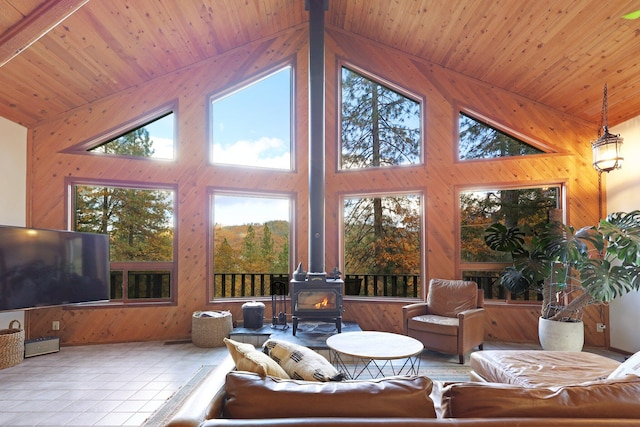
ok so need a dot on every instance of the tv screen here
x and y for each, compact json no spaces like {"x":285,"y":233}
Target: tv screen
{"x":47,"y":267}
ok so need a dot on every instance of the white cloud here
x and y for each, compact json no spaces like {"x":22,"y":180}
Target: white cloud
{"x":264,"y":152}
{"x":163,"y":147}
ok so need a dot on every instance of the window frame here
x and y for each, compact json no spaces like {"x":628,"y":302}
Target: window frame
{"x":420,"y":193}
{"x":129,"y":126}
{"x":211,"y":248}
{"x":419,"y":99}
{"x":238,"y":87}
{"x":462,"y":267}
{"x":128,"y":266}
{"x":501,"y":127}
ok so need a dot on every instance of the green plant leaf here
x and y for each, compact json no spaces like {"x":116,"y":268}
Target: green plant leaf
{"x":622,"y":233}
{"x":603,"y":260}
{"x":632,"y":15}
{"x":515,"y":280}
{"x":562,"y":243}
{"x":500,"y":238}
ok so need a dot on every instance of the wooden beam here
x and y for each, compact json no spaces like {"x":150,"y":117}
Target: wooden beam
{"x":35,"y":25}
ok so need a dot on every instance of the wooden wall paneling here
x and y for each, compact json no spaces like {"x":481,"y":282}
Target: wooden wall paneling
{"x":374,"y":316}
{"x":539,"y":123}
{"x":446,"y":175}
{"x":333,"y":205}
{"x":512,"y":322}
{"x":190,"y":171}
{"x":395,"y":68}
{"x":539,"y":50}
{"x":593,"y":315}
{"x":299,"y":249}
{"x":439,"y":178}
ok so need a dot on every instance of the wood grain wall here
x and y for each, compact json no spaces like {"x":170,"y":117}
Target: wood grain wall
{"x":439,"y":179}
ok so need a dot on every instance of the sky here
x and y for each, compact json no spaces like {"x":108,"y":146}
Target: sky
{"x":161,"y":133}
{"x":251,"y":126}
{"x":234,"y":210}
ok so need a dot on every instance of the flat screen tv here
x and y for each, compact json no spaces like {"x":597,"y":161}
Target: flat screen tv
{"x":41,"y":268}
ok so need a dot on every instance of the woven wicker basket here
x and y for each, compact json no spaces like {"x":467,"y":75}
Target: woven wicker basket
{"x":210,"y":331}
{"x":11,"y":345}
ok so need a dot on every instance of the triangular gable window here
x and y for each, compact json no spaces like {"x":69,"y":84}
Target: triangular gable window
{"x":478,"y":140}
{"x":154,"y":139}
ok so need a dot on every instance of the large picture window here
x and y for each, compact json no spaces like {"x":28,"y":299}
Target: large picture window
{"x":140,"y":225}
{"x":530,"y":209}
{"x":382,"y":236}
{"x":380,"y":126}
{"x":251,"y":244}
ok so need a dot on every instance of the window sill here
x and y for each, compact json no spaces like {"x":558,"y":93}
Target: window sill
{"x":118,"y":304}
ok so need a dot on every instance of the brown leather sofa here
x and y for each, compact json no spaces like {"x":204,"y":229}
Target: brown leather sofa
{"x":235,"y":398}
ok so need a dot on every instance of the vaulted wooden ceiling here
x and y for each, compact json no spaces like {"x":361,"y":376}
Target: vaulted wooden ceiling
{"x":57,"y":55}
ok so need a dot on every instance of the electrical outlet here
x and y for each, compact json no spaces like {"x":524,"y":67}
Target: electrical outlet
{"x":55,"y":325}
{"x":600,"y":327}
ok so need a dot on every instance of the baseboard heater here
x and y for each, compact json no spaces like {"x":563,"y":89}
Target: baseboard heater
{"x":40,"y":346}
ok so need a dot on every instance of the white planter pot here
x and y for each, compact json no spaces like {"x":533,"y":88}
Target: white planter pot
{"x":561,"y":336}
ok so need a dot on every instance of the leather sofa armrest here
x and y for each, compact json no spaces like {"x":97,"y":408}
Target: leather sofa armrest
{"x":471,"y":315}
{"x":412,"y":310}
{"x":415,"y":309}
{"x":471,"y":324}
{"x":206,"y":400}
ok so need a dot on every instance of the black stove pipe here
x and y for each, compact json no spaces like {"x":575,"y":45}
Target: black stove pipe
{"x":316,"y":135}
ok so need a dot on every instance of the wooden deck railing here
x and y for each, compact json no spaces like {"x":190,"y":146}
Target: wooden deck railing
{"x":155,"y":284}
{"x":238,"y":285}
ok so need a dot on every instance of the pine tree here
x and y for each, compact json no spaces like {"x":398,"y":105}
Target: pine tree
{"x":380,"y":127}
{"x":225,"y":258}
{"x":138,"y":221}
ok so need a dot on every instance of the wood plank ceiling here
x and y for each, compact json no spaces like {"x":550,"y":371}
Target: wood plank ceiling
{"x":559,"y":53}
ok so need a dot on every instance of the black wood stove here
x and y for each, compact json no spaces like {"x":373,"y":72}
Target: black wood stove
{"x":317,"y":298}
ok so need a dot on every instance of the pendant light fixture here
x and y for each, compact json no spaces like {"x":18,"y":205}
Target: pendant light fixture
{"x":607,"y":148}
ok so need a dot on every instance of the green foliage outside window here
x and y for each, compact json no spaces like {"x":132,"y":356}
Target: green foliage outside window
{"x":478,"y":140}
{"x":382,"y":236}
{"x":251,"y":244}
{"x":528,"y":208}
{"x":139,"y":221}
{"x":252,"y":248}
{"x":380,"y":127}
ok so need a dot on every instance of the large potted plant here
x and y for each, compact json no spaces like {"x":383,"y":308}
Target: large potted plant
{"x":571,"y":269}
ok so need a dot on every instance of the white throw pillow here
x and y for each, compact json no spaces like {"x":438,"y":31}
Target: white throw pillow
{"x":301,"y":363}
{"x":631,"y":366}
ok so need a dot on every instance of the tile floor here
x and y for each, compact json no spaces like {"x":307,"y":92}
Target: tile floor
{"x":99,"y":385}
{"x":112,"y":384}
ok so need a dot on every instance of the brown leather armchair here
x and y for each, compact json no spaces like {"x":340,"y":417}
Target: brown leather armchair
{"x":452,"y":319}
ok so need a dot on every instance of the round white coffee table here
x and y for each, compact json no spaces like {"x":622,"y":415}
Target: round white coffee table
{"x":373,"y":352}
